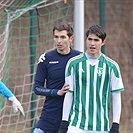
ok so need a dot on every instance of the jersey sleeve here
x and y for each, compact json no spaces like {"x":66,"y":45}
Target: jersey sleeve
{"x":41,"y":72}
{"x":67,"y":106}
{"x":41,"y":76}
{"x":69,"y":76}
{"x":5,"y":91}
{"x":116,"y":80}
{"x":69,"y":80}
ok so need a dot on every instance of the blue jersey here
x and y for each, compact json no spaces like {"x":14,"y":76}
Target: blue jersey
{"x":51,"y":70}
{"x":5,"y":91}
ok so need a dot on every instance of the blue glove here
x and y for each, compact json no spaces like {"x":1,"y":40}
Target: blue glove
{"x":63,"y":127}
{"x":114,"y":128}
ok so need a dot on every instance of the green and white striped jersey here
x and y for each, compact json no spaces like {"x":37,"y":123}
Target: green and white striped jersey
{"x":91,"y":85}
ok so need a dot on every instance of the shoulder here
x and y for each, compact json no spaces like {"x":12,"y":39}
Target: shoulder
{"x":75,"y":51}
{"x":51,"y":52}
{"x":46,"y":55}
{"x":110,"y":62}
{"x":76,"y":59}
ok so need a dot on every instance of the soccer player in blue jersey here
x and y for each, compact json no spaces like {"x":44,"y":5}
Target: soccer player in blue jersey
{"x":92,"y":77}
{"x":51,"y":71}
{"x":16,"y":105}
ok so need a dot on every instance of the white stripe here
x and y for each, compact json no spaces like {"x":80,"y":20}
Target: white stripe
{"x":80,"y":84}
{"x":73,"y":89}
{"x":94,"y":97}
{"x":87,"y":93}
{"x":101,"y":90}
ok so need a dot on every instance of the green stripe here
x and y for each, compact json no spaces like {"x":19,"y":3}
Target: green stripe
{"x":116,"y":72}
{"x":83,"y":95}
{"x":98,"y":99}
{"x":106,"y":91}
{"x":91,"y":101}
{"x":111,"y":63}
{"x":76,"y":97}
{"x":70,"y":91}
{"x":122,"y":89}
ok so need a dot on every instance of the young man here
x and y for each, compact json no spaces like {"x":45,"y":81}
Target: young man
{"x":16,"y":106}
{"x":51,"y":68}
{"x":92,"y":77}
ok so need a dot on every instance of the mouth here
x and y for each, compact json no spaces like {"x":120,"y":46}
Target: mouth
{"x":59,"y":46}
{"x":92,"y":48}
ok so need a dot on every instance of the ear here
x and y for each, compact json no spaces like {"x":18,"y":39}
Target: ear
{"x":104,"y":42}
{"x":71,"y":38}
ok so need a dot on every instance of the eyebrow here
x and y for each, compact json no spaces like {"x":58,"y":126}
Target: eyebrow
{"x":93,"y":39}
{"x":62,"y":36}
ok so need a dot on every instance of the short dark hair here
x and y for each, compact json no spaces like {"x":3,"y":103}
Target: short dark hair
{"x":64,"y":26}
{"x":97,"y":30}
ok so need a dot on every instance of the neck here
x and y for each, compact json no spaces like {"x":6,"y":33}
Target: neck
{"x":65,"y":51}
{"x":94,"y":56}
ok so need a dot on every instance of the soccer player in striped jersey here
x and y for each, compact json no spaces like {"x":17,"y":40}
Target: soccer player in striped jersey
{"x":16,"y":105}
{"x":93,"y":78}
{"x":51,"y":68}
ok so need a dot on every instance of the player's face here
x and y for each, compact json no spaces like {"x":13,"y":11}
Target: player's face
{"x":62,"y":41}
{"x":93,"y":44}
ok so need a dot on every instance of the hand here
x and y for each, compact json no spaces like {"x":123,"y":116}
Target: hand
{"x":114,"y":128}
{"x":16,"y":105}
{"x":63,"y":127}
{"x":63,"y":90}
{"x":41,"y":58}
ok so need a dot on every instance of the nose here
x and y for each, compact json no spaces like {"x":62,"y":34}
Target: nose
{"x":59,"y":39}
{"x":92,"y":42}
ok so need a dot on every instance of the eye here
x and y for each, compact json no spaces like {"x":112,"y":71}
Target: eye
{"x":90,"y":39}
{"x":56,"y":37}
{"x":96,"y":40}
{"x":62,"y":37}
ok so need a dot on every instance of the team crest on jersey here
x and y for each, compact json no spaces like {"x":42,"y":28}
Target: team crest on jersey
{"x":100,"y":71}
